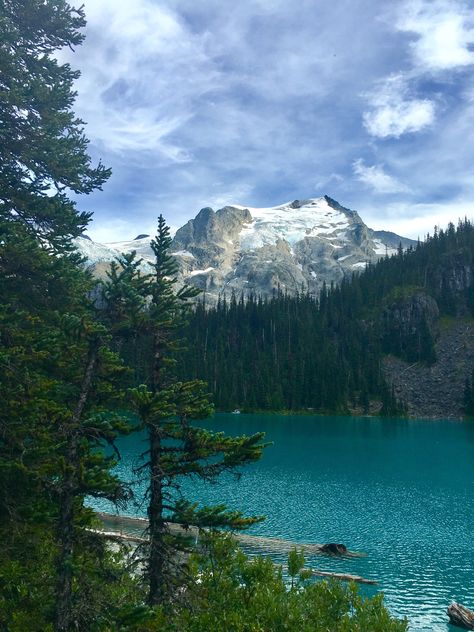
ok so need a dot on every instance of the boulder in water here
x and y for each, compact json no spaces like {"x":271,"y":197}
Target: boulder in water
{"x":334,"y":549}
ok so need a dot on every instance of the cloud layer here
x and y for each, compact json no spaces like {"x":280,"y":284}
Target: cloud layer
{"x":375,"y":177}
{"x":207,"y":103}
{"x":394,"y":112}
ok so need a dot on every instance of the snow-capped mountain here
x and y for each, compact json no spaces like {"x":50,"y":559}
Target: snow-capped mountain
{"x":295,"y":246}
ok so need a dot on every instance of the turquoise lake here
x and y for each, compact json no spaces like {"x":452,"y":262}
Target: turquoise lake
{"x":401,"y":491}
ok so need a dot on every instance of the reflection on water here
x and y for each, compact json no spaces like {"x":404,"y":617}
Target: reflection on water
{"x":401,"y":491}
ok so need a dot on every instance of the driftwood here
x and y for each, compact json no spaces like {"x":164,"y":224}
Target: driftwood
{"x":461,"y":616}
{"x":114,"y":536}
{"x":125,"y":528}
{"x":344,"y":577}
{"x":137,"y":527}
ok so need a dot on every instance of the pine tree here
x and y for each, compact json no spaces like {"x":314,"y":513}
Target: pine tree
{"x":57,"y":373}
{"x":57,"y":379}
{"x":83,"y":425}
{"x":43,"y":150}
{"x":166,"y":408}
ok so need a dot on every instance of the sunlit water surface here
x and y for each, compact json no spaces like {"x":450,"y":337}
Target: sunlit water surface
{"x":400,"y":491}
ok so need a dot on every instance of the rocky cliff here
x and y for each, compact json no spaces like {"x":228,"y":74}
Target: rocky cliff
{"x":436,"y":391}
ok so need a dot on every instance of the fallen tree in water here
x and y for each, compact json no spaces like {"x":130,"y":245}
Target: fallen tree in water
{"x":461,"y":616}
{"x":137,"y":527}
{"x":345,"y":577}
{"x":134,"y":530}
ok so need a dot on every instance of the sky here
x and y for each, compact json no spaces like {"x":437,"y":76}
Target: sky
{"x":196,"y":103}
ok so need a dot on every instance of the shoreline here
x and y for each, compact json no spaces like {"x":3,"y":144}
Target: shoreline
{"x":308,"y":413}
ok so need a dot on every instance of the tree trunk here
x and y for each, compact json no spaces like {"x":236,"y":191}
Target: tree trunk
{"x":65,"y":533}
{"x":156,"y":561}
{"x":66,"y":541}
{"x":461,"y":616}
{"x":344,"y":577}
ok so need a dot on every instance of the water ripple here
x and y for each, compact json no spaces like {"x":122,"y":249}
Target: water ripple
{"x":399,"y":490}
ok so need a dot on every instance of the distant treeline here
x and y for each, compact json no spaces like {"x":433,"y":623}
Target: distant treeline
{"x":324,"y":352}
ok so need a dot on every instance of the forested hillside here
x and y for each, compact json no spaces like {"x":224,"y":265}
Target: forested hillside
{"x":326,"y":353}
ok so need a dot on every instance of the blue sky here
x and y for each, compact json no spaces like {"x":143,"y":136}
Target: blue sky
{"x":198,"y":103}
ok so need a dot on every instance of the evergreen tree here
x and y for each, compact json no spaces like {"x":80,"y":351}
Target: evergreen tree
{"x":57,"y":379}
{"x":57,"y":373}
{"x":166,"y":408}
{"x":426,"y":349}
{"x":43,"y":150}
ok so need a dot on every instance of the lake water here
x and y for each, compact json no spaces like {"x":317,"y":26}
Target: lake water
{"x":401,"y":491}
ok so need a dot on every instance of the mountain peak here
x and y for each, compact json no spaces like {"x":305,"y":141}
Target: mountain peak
{"x":294,"y":246}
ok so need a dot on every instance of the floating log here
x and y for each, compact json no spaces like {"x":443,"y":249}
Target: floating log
{"x":119,"y":537}
{"x":461,"y":616}
{"x":344,"y":577}
{"x":137,"y":526}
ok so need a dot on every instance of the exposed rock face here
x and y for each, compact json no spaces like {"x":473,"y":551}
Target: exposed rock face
{"x":436,"y":392}
{"x":404,"y":317}
{"x":296,"y":246}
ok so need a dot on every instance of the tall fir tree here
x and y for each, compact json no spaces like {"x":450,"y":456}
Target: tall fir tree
{"x":43,"y":149}
{"x":56,"y":370}
{"x":177,"y":447}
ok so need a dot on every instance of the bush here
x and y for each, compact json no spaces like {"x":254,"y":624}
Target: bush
{"x":235,"y":593}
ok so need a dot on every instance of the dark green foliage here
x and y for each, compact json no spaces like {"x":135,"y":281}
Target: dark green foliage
{"x":42,"y":145}
{"x":236,"y":593}
{"x":57,"y":373}
{"x":413,"y":340}
{"x":283,"y":353}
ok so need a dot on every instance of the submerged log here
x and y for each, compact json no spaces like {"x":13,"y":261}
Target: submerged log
{"x":461,"y":616}
{"x":137,"y":526}
{"x":344,"y":577}
{"x":114,"y":536}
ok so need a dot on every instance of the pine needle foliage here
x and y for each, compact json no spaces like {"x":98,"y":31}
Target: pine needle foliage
{"x":167,"y":409}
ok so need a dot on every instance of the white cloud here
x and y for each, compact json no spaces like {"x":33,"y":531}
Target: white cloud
{"x":417,"y":220}
{"x":117,"y":230}
{"x":394,"y":112}
{"x":133,"y":57}
{"x":445,"y":30}
{"x":138,"y":129}
{"x":114,"y":230}
{"x":333,"y":178}
{"x":443,"y":33}
{"x":375,"y":177}
{"x":226,"y":196}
